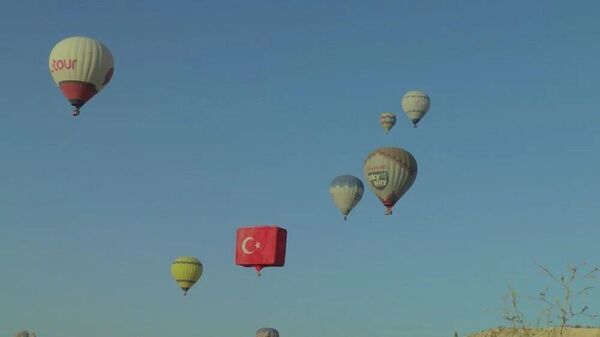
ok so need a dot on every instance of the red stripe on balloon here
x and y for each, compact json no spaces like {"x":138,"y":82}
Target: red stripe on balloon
{"x":78,"y":92}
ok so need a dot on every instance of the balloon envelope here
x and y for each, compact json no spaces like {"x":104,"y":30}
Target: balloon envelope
{"x":387,"y":120}
{"x":390,"y":172}
{"x":346,"y":191}
{"x":415,"y":104}
{"x":260,"y":246}
{"x":267,"y":332}
{"x":81,"y":67}
{"x":186,"y":271}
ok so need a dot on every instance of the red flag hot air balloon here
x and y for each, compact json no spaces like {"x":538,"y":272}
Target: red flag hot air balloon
{"x":261,"y":246}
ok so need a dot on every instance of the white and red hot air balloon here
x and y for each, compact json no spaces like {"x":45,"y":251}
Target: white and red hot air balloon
{"x":81,"y":67}
{"x":390,"y":172}
{"x":387,"y":120}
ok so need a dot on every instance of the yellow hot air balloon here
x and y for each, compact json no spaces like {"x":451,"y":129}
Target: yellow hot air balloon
{"x":186,"y":270}
{"x":390,"y":172}
{"x":81,"y":67}
{"x":415,"y":104}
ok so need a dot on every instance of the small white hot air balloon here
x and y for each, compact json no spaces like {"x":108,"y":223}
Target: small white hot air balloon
{"x":346,"y":191}
{"x":81,"y":67}
{"x":415,"y":104}
{"x":387,"y":120}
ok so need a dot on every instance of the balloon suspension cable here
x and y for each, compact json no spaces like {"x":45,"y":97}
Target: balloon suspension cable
{"x":75,"y":112}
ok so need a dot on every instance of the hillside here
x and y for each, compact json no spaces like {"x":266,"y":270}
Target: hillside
{"x":551,"y":332}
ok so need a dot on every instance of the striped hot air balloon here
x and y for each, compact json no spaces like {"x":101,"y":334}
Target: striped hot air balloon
{"x":415,"y":104}
{"x":186,"y":271}
{"x":390,"y":172}
{"x":387,"y":120}
{"x":346,"y":191}
{"x":81,"y":67}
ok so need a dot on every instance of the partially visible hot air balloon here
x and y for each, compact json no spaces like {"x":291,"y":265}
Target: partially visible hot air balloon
{"x":415,"y":104}
{"x":24,"y":333}
{"x":186,"y":271}
{"x":346,"y":191}
{"x":387,"y":121}
{"x":81,"y":67}
{"x":390,"y":172}
{"x":267,"y":332}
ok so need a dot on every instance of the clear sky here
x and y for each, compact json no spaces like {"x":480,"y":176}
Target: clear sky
{"x":224,"y":114}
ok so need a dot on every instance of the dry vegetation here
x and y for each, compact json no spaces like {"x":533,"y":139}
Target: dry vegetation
{"x":540,"y":332}
{"x":558,"y":311}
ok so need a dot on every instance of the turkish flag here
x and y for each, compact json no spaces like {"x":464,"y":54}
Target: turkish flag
{"x":262,"y":246}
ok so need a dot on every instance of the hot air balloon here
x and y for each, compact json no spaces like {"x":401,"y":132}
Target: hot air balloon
{"x":260,"y":246}
{"x":387,"y":121}
{"x":415,"y":104}
{"x":390,"y":172}
{"x":346,"y":191}
{"x":81,"y":67}
{"x":267,"y":332}
{"x":186,"y":270}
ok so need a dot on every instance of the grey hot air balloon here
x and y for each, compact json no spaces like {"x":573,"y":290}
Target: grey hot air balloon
{"x":387,"y":120}
{"x":415,"y":104}
{"x":267,"y":332}
{"x":346,"y":191}
{"x":390,"y":172}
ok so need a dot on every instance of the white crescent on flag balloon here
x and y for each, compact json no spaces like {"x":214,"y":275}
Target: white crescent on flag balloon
{"x":244,"y":248}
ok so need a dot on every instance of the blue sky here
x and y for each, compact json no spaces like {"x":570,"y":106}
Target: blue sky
{"x":224,"y":114}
